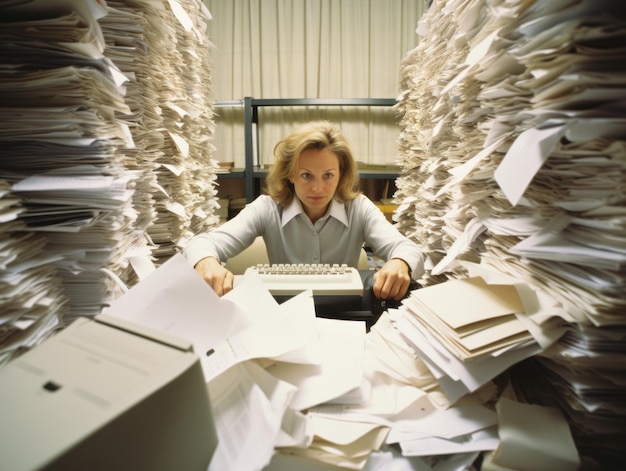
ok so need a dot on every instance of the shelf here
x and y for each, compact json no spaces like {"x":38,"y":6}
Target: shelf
{"x":234,"y":173}
{"x":258,"y":172}
{"x":251,"y":133}
{"x":255,"y":102}
{"x":379,"y":174}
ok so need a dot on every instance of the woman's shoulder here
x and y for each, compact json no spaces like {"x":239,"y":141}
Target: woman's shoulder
{"x":264,"y":205}
{"x":360,"y":207}
{"x":361,"y":201}
{"x":265,"y":201}
{"x":260,"y":212}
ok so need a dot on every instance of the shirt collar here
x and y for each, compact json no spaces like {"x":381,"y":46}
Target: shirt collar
{"x":337,"y":210}
{"x":291,"y":211}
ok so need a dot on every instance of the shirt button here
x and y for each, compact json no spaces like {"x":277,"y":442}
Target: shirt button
{"x":314,"y":233}
{"x":315,"y":257}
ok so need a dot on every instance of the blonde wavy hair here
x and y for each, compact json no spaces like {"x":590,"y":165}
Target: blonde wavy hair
{"x":319,"y":135}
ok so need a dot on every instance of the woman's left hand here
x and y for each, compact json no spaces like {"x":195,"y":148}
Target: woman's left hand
{"x":392,"y":280}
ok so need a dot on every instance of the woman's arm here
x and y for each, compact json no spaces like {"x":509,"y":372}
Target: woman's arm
{"x":213,"y":272}
{"x":207,"y":251}
{"x":403,"y":258}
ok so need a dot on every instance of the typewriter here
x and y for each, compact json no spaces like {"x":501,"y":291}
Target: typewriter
{"x":339,"y":291}
{"x":283,"y":279}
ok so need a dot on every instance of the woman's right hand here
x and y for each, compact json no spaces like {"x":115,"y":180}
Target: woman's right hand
{"x":218,"y":277}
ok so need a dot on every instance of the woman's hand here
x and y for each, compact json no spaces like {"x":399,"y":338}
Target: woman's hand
{"x":392,"y":280}
{"x":218,"y":277}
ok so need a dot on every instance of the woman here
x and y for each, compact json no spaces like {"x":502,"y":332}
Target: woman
{"x":313,"y":213}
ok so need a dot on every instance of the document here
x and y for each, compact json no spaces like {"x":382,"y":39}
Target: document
{"x":471,"y":317}
{"x":245,"y":324}
{"x":340,"y":373}
{"x":483,"y":440}
{"x":534,"y":438}
{"x":450,"y":423}
{"x":552,"y":243}
{"x":390,"y":354}
{"x":456,"y":377}
{"x":175,"y":300}
{"x":346,"y":444}
{"x":246,"y":420}
{"x":524,"y":159}
{"x":275,"y":334}
{"x":449,"y":301}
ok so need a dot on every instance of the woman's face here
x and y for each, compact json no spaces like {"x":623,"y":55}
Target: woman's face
{"x":316,"y":180}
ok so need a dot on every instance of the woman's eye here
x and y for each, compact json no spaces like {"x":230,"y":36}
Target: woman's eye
{"x":328,"y":176}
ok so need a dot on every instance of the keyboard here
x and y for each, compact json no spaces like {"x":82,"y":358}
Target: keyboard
{"x":323,"y":279}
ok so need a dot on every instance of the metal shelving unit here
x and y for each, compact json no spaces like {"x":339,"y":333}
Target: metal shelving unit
{"x":253,"y":172}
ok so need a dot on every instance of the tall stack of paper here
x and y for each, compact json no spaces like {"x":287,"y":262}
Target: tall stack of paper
{"x":126,"y":47}
{"x":513,"y":151}
{"x":60,"y":138}
{"x":106,"y":143}
{"x":163,"y":50}
{"x":196,"y":114}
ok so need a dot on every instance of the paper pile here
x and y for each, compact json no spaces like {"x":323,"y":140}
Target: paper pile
{"x":163,"y":50}
{"x":286,"y":383}
{"x":512,"y":145}
{"x":266,"y":364}
{"x":106,"y":146}
{"x":469,"y":331}
{"x":30,"y":294}
{"x":66,"y":213}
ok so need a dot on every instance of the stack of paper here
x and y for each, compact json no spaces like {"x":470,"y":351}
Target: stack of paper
{"x":31,"y":297}
{"x":457,"y":430}
{"x":196,"y":113}
{"x":126,"y":46}
{"x":106,"y":141}
{"x":60,"y":141}
{"x":473,"y":323}
{"x":82,"y":217}
{"x":583,"y":376}
{"x":163,"y":49}
{"x":469,"y":331}
{"x":488,"y":125}
{"x":512,"y":141}
{"x":283,"y":382}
